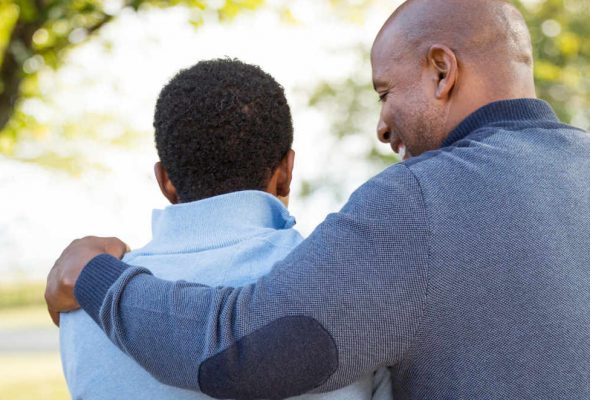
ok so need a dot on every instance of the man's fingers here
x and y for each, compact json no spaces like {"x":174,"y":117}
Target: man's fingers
{"x":61,"y":280}
{"x":115,"y":247}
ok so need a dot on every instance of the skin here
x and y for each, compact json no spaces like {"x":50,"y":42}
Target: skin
{"x":59,"y":292}
{"x":434,"y":63}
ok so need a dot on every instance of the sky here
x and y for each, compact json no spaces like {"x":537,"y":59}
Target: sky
{"x":120,"y":72}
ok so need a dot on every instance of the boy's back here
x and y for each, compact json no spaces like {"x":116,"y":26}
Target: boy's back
{"x":247,"y":231}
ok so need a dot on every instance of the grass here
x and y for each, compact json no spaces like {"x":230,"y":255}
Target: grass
{"x":22,"y":294}
{"x":32,"y":376}
{"x":28,"y":375}
{"x":24,"y":317}
{"x":22,"y":305}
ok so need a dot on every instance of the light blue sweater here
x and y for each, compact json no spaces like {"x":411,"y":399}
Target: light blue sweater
{"x":225,"y":240}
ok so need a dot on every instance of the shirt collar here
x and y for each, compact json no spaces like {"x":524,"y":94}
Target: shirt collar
{"x":215,"y":222}
{"x":502,"y":111}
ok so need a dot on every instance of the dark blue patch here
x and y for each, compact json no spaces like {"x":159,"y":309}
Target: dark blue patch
{"x":289,"y":356}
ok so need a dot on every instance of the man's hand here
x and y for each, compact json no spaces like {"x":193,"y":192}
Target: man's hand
{"x":59,"y":292}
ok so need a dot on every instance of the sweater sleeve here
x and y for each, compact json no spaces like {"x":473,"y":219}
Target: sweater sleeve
{"x":345,"y":302}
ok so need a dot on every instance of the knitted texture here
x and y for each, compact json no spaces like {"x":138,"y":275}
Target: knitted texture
{"x":465,"y":269}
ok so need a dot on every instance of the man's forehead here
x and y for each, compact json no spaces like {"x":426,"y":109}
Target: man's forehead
{"x":385,"y":53}
{"x":389,"y":43}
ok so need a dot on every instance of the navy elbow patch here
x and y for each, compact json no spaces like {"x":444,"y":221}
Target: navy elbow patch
{"x":289,"y":356}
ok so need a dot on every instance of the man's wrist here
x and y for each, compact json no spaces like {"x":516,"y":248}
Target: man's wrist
{"x":94,"y":282}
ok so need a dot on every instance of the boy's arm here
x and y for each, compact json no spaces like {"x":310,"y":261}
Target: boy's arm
{"x":346,"y":301}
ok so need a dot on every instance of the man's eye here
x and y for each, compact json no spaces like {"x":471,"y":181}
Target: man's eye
{"x":382,"y":97}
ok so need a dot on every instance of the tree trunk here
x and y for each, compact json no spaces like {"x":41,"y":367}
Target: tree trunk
{"x":11,"y":70}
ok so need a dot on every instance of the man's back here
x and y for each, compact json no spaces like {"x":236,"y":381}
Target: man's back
{"x":507,"y":310}
{"x":246,"y":232}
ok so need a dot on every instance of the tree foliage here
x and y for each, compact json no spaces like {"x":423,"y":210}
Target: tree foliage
{"x":560,"y":32}
{"x":37,"y":33}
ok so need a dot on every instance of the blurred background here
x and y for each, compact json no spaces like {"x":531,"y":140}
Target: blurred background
{"x":78,"y":84}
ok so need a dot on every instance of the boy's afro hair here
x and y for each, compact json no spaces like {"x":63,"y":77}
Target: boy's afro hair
{"x":221,"y":126}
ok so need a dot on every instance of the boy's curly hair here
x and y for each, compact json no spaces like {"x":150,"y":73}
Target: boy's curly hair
{"x":221,"y":126}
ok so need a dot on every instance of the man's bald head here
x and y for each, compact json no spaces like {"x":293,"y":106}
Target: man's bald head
{"x":487,"y":31}
{"x":444,"y":59}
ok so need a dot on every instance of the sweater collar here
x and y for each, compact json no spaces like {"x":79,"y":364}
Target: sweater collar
{"x":215,"y":222}
{"x":502,"y":111}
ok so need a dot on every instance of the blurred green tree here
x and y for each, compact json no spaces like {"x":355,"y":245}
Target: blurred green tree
{"x":560,"y":32}
{"x":37,"y":33}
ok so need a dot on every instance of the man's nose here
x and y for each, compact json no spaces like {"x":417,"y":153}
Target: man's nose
{"x":383,"y":132}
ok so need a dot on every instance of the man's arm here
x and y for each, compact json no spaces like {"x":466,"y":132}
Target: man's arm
{"x":348,"y":300}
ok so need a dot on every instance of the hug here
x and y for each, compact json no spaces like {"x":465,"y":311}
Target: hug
{"x":462,"y":272}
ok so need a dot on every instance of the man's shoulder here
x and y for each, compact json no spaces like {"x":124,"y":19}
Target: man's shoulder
{"x":500,"y":148}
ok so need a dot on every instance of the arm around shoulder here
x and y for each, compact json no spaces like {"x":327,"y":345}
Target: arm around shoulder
{"x":348,"y":300}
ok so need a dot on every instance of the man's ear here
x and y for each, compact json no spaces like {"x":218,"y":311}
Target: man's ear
{"x":280,"y":181}
{"x":443,"y":63}
{"x":166,"y":186}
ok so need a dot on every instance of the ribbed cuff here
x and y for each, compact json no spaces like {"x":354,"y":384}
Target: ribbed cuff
{"x":95,"y":281}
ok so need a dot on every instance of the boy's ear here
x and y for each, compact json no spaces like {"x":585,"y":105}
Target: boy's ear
{"x":286,"y":168}
{"x":166,"y":186}
{"x":280,"y":182}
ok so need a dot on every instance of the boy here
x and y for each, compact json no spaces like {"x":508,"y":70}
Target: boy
{"x":223,"y":135}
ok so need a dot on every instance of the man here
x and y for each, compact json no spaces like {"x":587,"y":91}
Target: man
{"x":464,"y":268}
{"x":224,"y":135}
